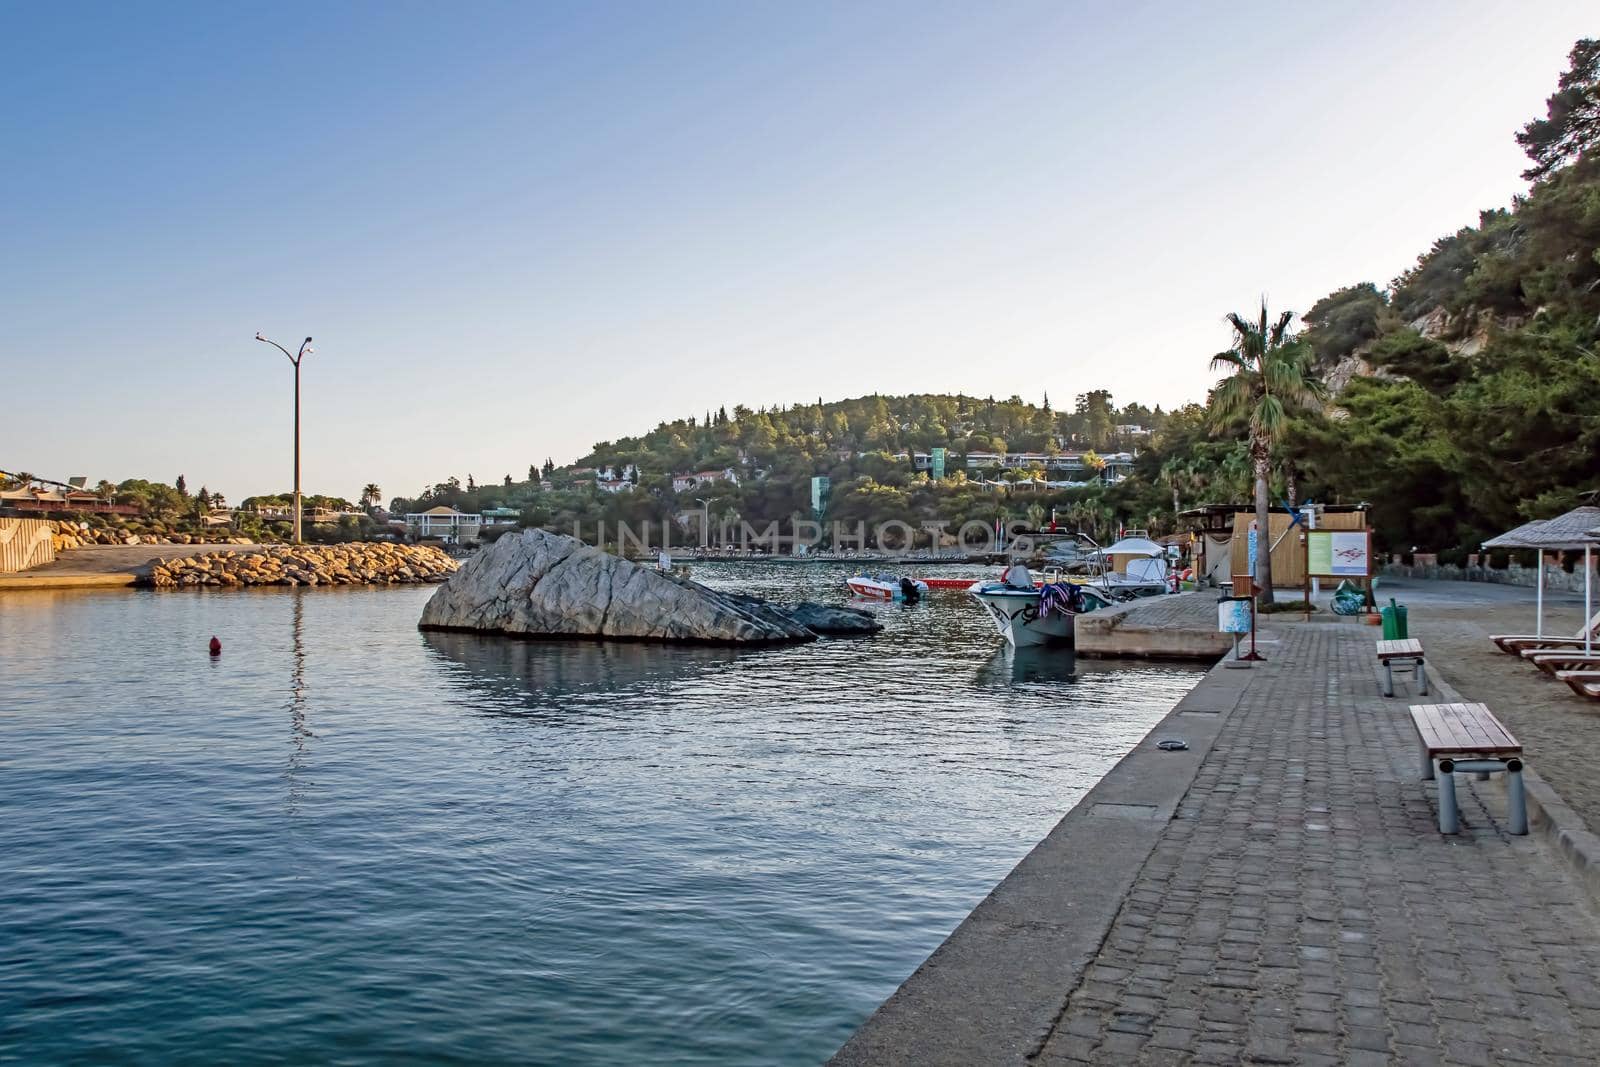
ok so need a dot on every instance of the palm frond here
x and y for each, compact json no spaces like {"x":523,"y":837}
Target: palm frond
{"x":1280,"y":329}
{"x":1231,"y":398}
{"x":1229,"y":359}
{"x":1269,"y":418}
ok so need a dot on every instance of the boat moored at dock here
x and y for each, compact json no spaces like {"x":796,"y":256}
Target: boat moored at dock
{"x":1025,"y":614}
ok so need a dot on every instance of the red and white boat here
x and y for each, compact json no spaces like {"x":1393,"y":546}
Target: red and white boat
{"x":886,"y":587}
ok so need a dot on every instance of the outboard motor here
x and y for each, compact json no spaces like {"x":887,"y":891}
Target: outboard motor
{"x":909,"y":591}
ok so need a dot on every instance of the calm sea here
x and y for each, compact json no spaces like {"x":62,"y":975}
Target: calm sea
{"x":345,"y":841}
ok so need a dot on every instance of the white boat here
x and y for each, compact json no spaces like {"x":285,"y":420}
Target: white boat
{"x":886,"y":587}
{"x":1037,"y":615}
{"x":1146,"y":572}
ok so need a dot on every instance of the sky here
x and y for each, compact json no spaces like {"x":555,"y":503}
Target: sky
{"x":515,"y":230}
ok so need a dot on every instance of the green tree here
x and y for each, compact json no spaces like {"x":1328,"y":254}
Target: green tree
{"x":1271,"y":378}
{"x":1571,"y":124}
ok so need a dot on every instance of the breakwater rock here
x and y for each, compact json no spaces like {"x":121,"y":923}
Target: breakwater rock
{"x":540,"y":584}
{"x":375,"y":563}
{"x":68,"y":535}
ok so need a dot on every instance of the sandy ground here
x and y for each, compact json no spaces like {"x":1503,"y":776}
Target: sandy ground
{"x":1559,"y":729}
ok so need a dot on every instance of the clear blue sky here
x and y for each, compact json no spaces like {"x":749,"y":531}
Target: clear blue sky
{"x":517,"y":229}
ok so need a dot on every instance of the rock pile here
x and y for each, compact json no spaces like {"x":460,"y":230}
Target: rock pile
{"x":540,"y":584}
{"x":374,"y":563}
{"x":67,"y":535}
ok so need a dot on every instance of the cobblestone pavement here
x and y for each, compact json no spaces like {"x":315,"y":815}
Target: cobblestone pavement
{"x":1302,"y":906}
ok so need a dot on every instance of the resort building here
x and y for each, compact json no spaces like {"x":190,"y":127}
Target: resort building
{"x":33,"y":500}
{"x":445,"y":524}
{"x":682,"y":483}
{"x":1117,"y":464}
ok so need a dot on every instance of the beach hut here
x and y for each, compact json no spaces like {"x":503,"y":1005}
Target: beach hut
{"x":1569,"y":532}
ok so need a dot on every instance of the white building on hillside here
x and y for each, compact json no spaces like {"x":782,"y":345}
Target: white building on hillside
{"x":446,"y":524}
{"x":682,"y":483}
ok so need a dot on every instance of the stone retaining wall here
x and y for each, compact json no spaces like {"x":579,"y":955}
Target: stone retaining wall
{"x":374,"y":563}
{"x":1556,"y":577}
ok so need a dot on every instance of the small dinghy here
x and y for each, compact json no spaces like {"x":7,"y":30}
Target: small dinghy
{"x":887,"y":587}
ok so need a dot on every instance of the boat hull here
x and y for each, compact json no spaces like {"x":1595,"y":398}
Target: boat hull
{"x":1015,"y":614}
{"x":874,"y":589}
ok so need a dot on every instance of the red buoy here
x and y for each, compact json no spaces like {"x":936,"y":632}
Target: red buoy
{"x":216,"y":647}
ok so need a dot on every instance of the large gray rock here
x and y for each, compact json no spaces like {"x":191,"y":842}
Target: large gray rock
{"x":824,"y":619}
{"x":540,"y":584}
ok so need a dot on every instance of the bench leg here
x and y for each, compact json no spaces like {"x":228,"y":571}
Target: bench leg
{"x":1516,"y":800}
{"x":1427,"y":760}
{"x":1449,"y":818}
{"x":1422,"y":677}
{"x":1388,"y":679}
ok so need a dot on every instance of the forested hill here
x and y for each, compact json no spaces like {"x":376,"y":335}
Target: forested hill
{"x":1464,"y":398}
{"x":806,"y":439}
{"x":1469,"y":390}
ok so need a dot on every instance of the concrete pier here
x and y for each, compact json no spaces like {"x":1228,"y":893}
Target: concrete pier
{"x":1181,"y":626}
{"x":1278,"y":893}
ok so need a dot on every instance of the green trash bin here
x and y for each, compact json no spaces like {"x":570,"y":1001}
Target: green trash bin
{"x":1394,"y":621}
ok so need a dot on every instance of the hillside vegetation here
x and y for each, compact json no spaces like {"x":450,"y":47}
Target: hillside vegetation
{"x":1464,"y":399}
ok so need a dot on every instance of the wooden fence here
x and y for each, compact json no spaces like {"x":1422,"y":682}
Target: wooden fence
{"x":1289,"y":558}
{"x":25,"y":543}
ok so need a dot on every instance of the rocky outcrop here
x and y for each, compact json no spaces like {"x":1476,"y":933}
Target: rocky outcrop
{"x":375,"y":563}
{"x":832,"y":621}
{"x":822,"y":619}
{"x":540,"y":584}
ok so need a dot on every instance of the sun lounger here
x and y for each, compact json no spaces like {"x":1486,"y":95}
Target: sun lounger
{"x":1584,"y":683}
{"x":1573,"y":659}
{"x":1517,"y":642}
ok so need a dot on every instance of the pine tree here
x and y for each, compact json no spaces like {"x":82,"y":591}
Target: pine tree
{"x":508,"y":481}
{"x":471,"y":486}
{"x":183,"y":486}
{"x":533,"y":472}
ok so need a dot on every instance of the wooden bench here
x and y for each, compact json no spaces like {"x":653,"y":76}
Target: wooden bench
{"x":1408,"y":651}
{"x":1467,"y":737}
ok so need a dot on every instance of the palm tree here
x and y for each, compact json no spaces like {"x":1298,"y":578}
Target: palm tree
{"x":1179,"y":473}
{"x":370,"y":495}
{"x":1270,"y":378}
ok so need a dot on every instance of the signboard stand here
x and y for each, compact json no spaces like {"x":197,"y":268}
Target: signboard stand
{"x":1338,"y":554}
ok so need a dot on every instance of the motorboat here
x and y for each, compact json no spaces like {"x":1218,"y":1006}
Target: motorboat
{"x":887,"y":587}
{"x":1145,"y":567}
{"x":1028,"y":614}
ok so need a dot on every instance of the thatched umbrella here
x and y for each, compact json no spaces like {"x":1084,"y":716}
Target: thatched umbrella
{"x":1573,"y":530}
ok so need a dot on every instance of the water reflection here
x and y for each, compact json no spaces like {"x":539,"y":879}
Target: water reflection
{"x":536,"y":675}
{"x":299,"y":726}
{"x":1036,"y":664}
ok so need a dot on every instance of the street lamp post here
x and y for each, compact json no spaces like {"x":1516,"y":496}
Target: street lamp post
{"x":305,"y":350}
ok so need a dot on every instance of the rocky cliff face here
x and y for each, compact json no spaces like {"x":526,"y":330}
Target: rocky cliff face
{"x":540,"y":584}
